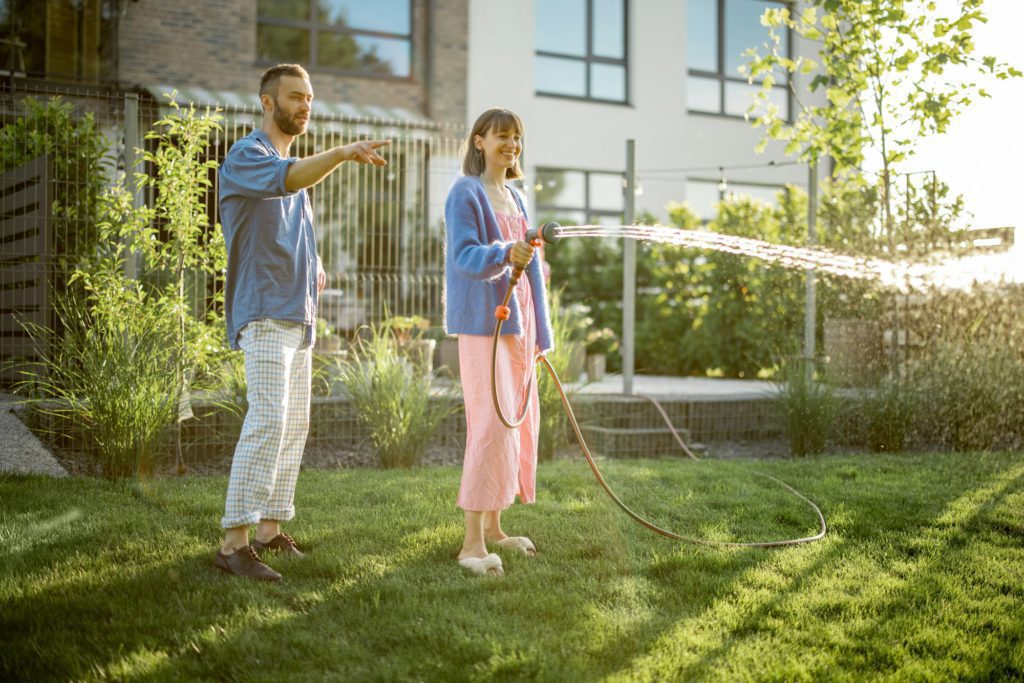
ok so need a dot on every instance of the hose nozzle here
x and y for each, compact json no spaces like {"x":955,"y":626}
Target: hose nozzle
{"x":548,"y":233}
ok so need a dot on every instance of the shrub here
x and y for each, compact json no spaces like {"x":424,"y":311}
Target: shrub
{"x":123,"y":365}
{"x":392,"y":398}
{"x":808,"y":409}
{"x":109,"y":381}
{"x":76,"y":148}
{"x":568,"y":331}
{"x":886,"y":413}
{"x":974,"y":392}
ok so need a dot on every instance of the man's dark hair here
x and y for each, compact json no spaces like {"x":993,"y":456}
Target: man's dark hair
{"x":268,"y":84}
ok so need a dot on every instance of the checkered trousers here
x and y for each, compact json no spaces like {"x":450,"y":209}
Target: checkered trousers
{"x":278,"y":368}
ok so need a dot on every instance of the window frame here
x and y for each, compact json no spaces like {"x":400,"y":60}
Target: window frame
{"x":313,"y":27}
{"x":723,"y":78}
{"x":588,"y":211}
{"x":590,"y":59}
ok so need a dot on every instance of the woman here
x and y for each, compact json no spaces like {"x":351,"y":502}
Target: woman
{"x":486,"y":223}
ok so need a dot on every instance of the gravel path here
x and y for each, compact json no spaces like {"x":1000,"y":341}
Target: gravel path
{"x":20,"y":451}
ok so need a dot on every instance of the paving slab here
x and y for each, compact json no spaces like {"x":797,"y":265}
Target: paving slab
{"x":685,"y":388}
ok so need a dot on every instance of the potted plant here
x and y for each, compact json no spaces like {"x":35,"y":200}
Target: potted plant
{"x":578,"y":320}
{"x":328,"y":355}
{"x":448,"y":357}
{"x":326,"y":340}
{"x":600,"y":342}
{"x":412,"y":345}
{"x":393,"y":398}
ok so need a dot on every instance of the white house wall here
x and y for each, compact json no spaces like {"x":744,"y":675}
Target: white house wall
{"x":576,"y":134}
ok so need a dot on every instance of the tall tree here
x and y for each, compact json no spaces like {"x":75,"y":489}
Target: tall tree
{"x":892,"y":72}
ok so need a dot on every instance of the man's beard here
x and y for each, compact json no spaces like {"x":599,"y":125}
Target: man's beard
{"x":287,"y":124}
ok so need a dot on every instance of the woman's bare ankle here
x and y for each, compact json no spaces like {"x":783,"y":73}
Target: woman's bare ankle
{"x":478,"y":553}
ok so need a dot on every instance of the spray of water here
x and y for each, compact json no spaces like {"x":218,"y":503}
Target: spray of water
{"x":948,"y":274}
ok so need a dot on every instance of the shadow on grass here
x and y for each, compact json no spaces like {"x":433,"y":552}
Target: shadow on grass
{"x":381,"y":597}
{"x":760,"y":613}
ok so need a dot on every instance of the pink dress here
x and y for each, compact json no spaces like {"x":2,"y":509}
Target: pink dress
{"x":500,"y":463}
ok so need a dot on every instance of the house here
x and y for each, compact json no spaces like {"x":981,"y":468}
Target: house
{"x":585,"y":75}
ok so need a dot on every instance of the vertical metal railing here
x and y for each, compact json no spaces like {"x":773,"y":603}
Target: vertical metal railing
{"x":379,"y":229}
{"x":56,"y":156}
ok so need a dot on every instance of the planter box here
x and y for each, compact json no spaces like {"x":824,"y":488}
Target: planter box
{"x":448,"y":357}
{"x":419,"y":352}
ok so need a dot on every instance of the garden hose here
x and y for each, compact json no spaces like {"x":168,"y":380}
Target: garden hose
{"x":549,"y":233}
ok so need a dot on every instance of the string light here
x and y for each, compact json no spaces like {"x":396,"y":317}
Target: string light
{"x":739,"y":167}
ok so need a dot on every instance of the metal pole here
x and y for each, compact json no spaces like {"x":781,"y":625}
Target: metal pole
{"x":132,"y":142}
{"x":629,"y":273}
{"x":810,"y":294}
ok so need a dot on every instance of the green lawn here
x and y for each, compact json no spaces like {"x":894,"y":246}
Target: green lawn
{"x":921,"y":577}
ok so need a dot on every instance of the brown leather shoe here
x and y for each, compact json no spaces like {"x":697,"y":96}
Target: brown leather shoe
{"x":282,"y":543}
{"x":245,"y":562}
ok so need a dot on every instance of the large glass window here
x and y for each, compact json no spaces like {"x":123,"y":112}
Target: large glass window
{"x":58,"y":40}
{"x":717,"y":34}
{"x":575,"y":197}
{"x":581,"y":49}
{"x":349,"y":36}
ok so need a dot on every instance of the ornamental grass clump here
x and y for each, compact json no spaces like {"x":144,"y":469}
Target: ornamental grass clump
{"x":808,"y":409}
{"x":116,"y":372}
{"x":886,"y":413}
{"x":109,"y":384}
{"x":974,"y":390}
{"x":567,"y":332}
{"x":392,"y":398}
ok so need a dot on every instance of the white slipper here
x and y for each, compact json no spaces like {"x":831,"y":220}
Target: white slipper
{"x":520,"y":543}
{"x":483,"y":566}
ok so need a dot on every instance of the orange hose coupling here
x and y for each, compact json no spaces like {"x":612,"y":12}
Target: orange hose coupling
{"x":502,"y":312}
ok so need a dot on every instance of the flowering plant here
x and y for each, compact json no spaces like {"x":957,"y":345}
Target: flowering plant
{"x":407,"y":327}
{"x":602,"y":341}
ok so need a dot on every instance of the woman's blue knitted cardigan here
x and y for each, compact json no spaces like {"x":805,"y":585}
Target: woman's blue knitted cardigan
{"x":476,"y":268}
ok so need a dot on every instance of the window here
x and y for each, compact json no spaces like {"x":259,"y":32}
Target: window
{"x":703,"y":195}
{"x":72,"y":41}
{"x":581,"y":49}
{"x":345,"y":36}
{"x":717,"y":34}
{"x":579,"y":197}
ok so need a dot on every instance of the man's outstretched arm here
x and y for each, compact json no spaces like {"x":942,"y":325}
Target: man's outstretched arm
{"x":311,"y":170}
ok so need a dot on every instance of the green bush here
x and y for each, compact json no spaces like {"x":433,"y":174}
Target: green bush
{"x":124,"y":363}
{"x":566,"y":324}
{"x":109,"y":384}
{"x":808,"y":409}
{"x":76,"y":148}
{"x":886,"y":415}
{"x":392,"y":398}
{"x":974,"y":393}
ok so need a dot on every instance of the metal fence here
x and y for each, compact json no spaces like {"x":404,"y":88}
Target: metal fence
{"x":380,"y":230}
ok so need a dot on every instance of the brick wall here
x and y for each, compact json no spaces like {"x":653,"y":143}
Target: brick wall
{"x":450,"y":74}
{"x":197,"y":43}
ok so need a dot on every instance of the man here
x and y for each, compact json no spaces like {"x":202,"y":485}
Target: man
{"x":274,"y":279}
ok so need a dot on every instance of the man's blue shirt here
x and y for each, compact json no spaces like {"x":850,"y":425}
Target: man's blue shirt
{"x":272,"y":260}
